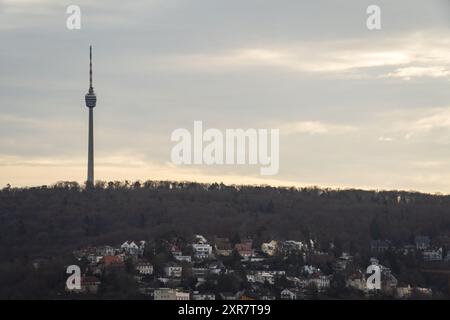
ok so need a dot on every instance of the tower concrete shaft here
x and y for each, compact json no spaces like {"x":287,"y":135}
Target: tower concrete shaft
{"x":91,"y":101}
{"x":90,"y":174}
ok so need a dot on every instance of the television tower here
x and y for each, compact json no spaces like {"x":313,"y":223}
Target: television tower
{"x":91,"y":100}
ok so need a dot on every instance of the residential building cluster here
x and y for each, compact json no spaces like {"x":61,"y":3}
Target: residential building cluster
{"x":205,"y":269}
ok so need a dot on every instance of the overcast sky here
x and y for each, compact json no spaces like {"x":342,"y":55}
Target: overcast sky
{"x":355,"y":108}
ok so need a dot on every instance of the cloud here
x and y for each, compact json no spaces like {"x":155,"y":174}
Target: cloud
{"x":29,"y":7}
{"x":317,"y":58}
{"x":385,"y":139}
{"x":408,"y":73}
{"x":438,"y":118}
{"x":405,"y":57}
{"x":161,"y":64}
{"x":430,"y":125}
{"x":315,"y":128}
{"x":431,"y":164}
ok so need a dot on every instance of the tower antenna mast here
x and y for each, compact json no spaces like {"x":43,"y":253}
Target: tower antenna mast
{"x":91,"y":101}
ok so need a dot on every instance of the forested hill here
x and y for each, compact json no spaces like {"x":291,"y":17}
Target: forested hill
{"x":53,"y":220}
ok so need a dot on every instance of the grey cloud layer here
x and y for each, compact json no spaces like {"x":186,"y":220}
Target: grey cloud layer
{"x":351,"y":102}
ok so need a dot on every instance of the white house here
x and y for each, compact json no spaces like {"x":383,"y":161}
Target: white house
{"x":164,"y":294}
{"x":144,"y":268}
{"x":216,"y":267}
{"x":200,"y":239}
{"x":182,"y":258}
{"x":357,"y":281}
{"x":264,"y":276}
{"x":388,"y":280}
{"x":200,"y":272}
{"x":422,"y":243}
{"x":179,"y":295}
{"x":288,"y":294}
{"x":202,"y":251}
{"x":173,"y":270}
{"x":170,"y":294}
{"x":203,"y":296}
{"x":403,"y":292}
{"x":106,"y":251}
{"x":321,"y":282}
{"x":432,"y":255}
{"x":270,"y":248}
{"x":133,"y":248}
{"x":291,"y":246}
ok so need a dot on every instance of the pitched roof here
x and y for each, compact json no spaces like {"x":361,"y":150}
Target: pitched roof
{"x":112,"y":260}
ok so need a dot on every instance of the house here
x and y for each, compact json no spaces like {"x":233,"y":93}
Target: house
{"x":200,"y":239}
{"x":91,"y":254}
{"x":200,"y":272}
{"x":106,"y":251}
{"x":179,"y":295}
{"x":261,"y":277}
{"x":408,"y":249}
{"x":203,"y":296}
{"x":343,"y":262}
{"x":89,"y":284}
{"x":388,"y":280}
{"x":164,"y":294}
{"x":297,"y":282}
{"x":264,"y":276}
{"x":230,"y":295}
{"x":432,"y":254}
{"x":321,"y":282}
{"x":113,"y":261}
{"x":407,"y":292}
{"x":251,"y":277}
{"x":133,"y":248}
{"x":256,"y":257}
{"x":202,"y":250}
{"x":129,"y":246}
{"x":93,"y":258}
{"x":170,"y":294}
{"x":175,"y":250}
{"x":216,"y":267}
{"x":292,"y":247}
{"x":288,"y":294}
{"x":223,"y":247}
{"x":380,"y":245}
{"x":403,"y":292}
{"x":270,"y":248}
{"x":144,"y":267}
{"x":357,"y":281}
{"x":173,"y":270}
{"x":422,"y":243}
{"x":425,"y":292}
{"x":147,"y":291}
{"x":309,"y":270}
{"x":244,"y":249}
{"x":182,"y":258}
